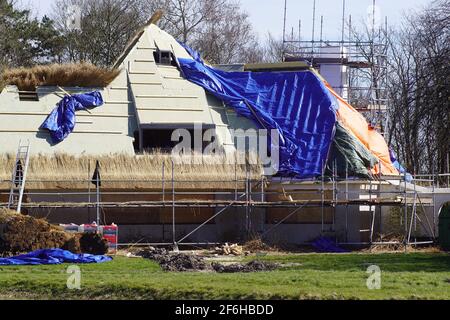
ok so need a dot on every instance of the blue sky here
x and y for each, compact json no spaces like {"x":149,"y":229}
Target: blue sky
{"x":267,"y":15}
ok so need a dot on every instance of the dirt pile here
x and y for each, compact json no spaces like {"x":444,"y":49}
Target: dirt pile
{"x":22,"y":234}
{"x":182,"y":262}
{"x":92,"y":243}
{"x":19,"y":233}
{"x":174,"y":261}
{"x":252,"y":266}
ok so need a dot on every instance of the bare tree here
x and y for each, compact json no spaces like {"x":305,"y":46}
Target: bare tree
{"x":219,"y":29}
{"x":228,"y":37}
{"x":106,"y":27}
{"x":273,"y":49}
{"x":420,"y":89}
{"x":183,"y":18}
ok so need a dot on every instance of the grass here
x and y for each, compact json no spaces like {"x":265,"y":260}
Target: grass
{"x":63,"y":171}
{"x":303,"y":276}
{"x":65,"y":75}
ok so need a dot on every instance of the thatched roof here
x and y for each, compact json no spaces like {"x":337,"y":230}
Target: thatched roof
{"x":63,"y":171}
{"x":64,"y":75}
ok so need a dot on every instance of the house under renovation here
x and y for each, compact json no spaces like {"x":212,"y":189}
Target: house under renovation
{"x":336,"y":175}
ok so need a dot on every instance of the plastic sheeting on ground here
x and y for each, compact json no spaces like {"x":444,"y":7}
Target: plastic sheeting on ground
{"x":52,"y":256}
{"x":350,"y":157}
{"x":324,"y":244}
{"x":297,"y":104}
{"x":62,"y":119}
{"x":355,"y":122}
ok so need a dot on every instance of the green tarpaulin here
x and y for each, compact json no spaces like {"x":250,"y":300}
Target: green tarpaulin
{"x":348,"y":154}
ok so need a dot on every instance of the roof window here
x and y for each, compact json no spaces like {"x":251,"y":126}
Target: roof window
{"x":164,"y":57}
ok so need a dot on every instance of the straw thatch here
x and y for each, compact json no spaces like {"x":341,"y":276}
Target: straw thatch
{"x":62,"y":171}
{"x":64,"y":75}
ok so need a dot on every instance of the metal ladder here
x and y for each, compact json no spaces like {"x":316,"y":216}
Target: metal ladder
{"x":19,"y":176}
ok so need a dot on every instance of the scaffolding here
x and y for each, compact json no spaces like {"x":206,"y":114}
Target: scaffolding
{"x":363,"y":58}
{"x":252,"y":193}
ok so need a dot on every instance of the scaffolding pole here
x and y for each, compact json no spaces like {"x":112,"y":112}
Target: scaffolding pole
{"x":175,"y":246}
{"x":410,"y":200}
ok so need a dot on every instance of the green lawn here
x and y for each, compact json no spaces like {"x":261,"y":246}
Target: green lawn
{"x":304,"y":276}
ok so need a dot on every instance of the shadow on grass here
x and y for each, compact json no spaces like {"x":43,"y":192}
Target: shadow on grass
{"x":392,"y":262}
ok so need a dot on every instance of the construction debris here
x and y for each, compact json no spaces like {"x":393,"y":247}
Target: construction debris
{"x":174,"y":261}
{"x":252,"y":266}
{"x":191,"y":262}
{"x":227,"y":250}
{"x":257,"y":245}
{"x":93,"y":243}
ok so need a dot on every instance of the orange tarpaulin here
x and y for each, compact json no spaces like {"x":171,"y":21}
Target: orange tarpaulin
{"x":355,"y":122}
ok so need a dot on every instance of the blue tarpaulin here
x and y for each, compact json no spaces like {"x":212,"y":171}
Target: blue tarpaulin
{"x":52,"y":256}
{"x":324,"y":244}
{"x":297,"y":104}
{"x":399,"y":167}
{"x":61,"y":121}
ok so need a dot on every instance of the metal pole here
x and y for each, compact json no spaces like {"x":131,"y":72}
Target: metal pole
{"x":413,"y":214}
{"x":235,"y":177}
{"x":349,"y":54}
{"x":313,"y":31}
{"x":373,"y":21}
{"x":284,"y":30}
{"x":406,"y":214}
{"x":346,"y":201}
{"x":249,"y":204}
{"x":380,"y":210}
{"x":173,"y":208}
{"x":334,"y":194}
{"x":98,"y":201}
{"x":262,"y":188}
{"x":89,"y":191}
{"x":322,"y":191}
{"x":343,"y":28}
{"x":163,"y":182}
{"x":299,"y":34}
{"x":321,"y":29}
{"x":371,"y":211}
{"x":247,"y":197}
{"x":434,"y":204}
